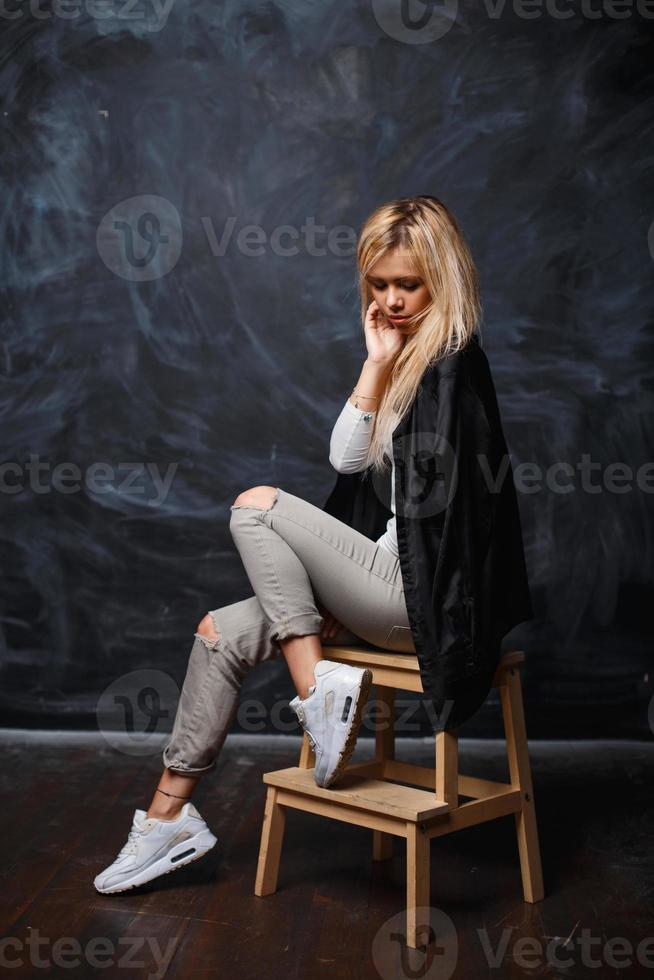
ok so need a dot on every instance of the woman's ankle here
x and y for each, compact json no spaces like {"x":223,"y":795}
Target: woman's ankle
{"x":165,"y":811}
{"x":172,"y":793}
{"x":166,"y":806}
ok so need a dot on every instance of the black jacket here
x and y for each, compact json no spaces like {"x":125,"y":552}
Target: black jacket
{"x":458,"y":530}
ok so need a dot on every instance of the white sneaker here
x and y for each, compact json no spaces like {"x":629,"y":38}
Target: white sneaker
{"x":155,"y":847}
{"x":331,"y":715}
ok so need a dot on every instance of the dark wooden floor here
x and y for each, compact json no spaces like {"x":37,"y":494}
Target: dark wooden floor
{"x":67,"y":806}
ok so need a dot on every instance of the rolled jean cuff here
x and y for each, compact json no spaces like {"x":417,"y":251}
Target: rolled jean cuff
{"x":184,"y":770}
{"x":300,"y":625}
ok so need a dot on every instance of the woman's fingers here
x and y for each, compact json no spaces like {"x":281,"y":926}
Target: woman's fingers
{"x":327,"y":620}
{"x":334,"y":627}
{"x":330,"y":626}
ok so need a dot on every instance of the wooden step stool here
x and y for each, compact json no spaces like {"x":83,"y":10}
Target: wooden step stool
{"x":367,"y":794}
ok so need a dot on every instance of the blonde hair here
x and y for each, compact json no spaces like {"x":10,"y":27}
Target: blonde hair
{"x":428,"y":233}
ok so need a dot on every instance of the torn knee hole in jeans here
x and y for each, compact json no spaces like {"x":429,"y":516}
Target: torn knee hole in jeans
{"x":210,"y":641}
{"x":253,"y":506}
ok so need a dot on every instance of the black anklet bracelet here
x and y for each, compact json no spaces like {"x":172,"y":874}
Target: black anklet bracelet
{"x":173,"y":794}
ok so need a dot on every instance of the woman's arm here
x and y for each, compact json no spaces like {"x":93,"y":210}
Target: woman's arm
{"x":350,"y":438}
{"x":351,"y":435}
{"x":371,"y":384}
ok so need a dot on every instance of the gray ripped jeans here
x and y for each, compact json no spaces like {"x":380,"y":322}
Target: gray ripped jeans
{"x":294,"y":553}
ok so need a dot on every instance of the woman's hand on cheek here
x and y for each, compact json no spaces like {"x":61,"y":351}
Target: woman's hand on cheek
{"x":383,"y":340}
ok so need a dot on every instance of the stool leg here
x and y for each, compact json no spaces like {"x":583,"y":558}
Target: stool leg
{"x":385,"y":726}
{"x":520,"y":770}
{"x":382,"y":844}
{"x":447,"y":768}
{"x":307,"y":755}
{"x":417,"y":887}
{"x":272,"y":836}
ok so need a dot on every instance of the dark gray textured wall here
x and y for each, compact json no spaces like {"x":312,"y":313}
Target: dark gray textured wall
{"x":148,"y":347}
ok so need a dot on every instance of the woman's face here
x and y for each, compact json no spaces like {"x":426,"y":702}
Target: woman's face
{"x":399,"y":292}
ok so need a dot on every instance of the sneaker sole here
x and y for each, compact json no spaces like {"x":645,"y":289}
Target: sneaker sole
{"x":355,"y":725}
{"x":201,"y":844}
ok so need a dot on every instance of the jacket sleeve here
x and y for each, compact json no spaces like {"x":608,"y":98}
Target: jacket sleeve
{"x":452,"y":599}
{"x":427,"y":484}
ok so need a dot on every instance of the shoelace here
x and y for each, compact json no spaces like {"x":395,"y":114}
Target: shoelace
{"x":130,"y":846}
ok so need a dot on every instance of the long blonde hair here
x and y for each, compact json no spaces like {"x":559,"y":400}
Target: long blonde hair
{"x":428,"y":233}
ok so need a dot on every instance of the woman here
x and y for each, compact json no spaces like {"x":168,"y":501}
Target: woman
{"x":317,"y":580}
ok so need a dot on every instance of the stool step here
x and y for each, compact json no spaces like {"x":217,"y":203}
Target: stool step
{"x":374,"y":795}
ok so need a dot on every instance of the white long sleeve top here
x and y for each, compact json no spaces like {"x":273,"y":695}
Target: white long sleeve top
{"x":348,"y":447}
